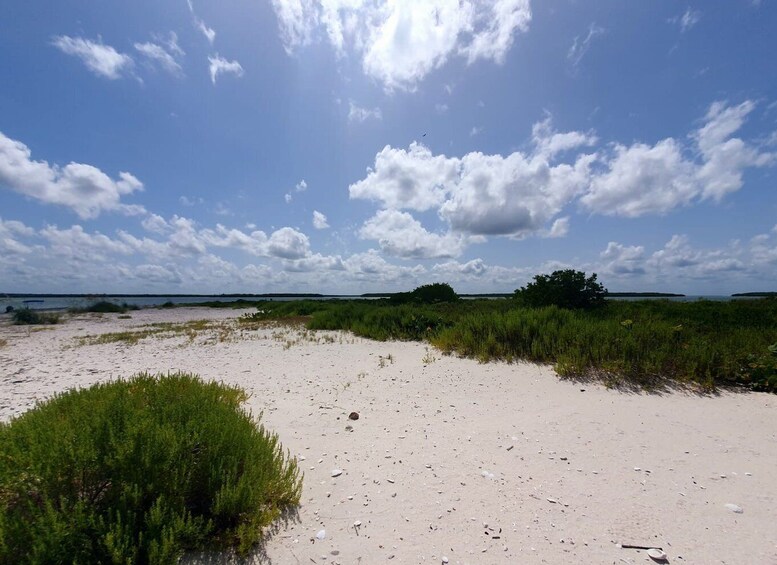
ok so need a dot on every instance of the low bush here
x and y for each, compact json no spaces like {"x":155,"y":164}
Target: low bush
{"x":25,"y":316}
{"x":106,"y":307}
{"x":139,"y":471}
{"x":760,"y":371}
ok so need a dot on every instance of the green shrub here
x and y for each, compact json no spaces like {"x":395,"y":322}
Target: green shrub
{"x":137,"y":472}
{"x":426,"y":294}
{"x":106,"y":307}
{"x":565,"y":289}
{"x":26,"y":316}
{"x":760,"y":371}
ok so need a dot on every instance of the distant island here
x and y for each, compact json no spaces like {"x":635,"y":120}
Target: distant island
{"x":642,"y":294}
{"x":755,"y":294}
{"x":130,"y":295}
{"x":484,"y":295}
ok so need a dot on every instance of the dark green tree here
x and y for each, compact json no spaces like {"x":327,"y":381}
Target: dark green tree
{"x":565,"y":289}
{"x":426,"y":294}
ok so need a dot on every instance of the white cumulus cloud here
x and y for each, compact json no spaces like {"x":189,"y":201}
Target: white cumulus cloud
{"x":85,"y":189}
{"x":401,"y":235}
{"x":412,"y":178}
{"x":288,"y":243}
{"x":480,"y":194}
{"x":560,"y":227}
{"x":653,"y":179}
{"x":319,"y":220}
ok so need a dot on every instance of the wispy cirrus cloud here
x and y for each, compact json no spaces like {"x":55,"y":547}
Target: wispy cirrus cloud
{"x":581,"y":45}
{"x":221,"y":66}
{"x":163,"y":53}
{"x":101,"y":59}
{"x":686,"y":21}
{"x":206,"y":31}
{"x":359,"y":114}
{"x":399,"y":43}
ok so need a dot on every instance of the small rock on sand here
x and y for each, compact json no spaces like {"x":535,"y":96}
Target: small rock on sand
{"x":734,"y":508}
{"x":337,"y":472}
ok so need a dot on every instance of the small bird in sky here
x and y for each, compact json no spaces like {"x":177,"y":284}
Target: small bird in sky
{"x":424,"y":135}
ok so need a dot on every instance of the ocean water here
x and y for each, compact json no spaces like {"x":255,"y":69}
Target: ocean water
{"x":54,"y":302}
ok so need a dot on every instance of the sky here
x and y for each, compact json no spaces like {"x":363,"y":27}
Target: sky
{"x":350,"y":146}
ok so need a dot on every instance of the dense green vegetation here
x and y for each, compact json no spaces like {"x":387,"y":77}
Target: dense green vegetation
{"x":28,"y":317}
{"x":106,"y":307}
{"x":427,"y":294}
{"x":565,"y":289}
{"x":646,"y":342}
{"x":137,"y":472}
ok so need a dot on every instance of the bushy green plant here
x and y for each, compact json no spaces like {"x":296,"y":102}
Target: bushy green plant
{"x":106,"y":307}
{"x":760,"y":371}
{"x":426,"y":294}
{"x":138,"y":471}
{"x":565,"y":289}
{"x":25,"y":316}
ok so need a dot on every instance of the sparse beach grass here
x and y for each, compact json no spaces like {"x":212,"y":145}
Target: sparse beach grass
{"x":161,"y":330}
{"x":290,"y":332}
{"x":138,"y":471}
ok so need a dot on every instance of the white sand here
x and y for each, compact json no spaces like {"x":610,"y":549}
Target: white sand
{"x":477,"y":463}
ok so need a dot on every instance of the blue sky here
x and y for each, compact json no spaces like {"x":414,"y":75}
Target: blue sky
{"x":350,"y":146}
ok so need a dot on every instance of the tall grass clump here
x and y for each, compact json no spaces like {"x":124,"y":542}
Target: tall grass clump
{"x":29,"y":317}
{"x":645,"y":343}
{"x":139,"y":471}
{"x":709,"y":343}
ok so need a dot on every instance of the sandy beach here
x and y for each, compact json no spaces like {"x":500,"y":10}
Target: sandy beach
{"x":450,"y":460}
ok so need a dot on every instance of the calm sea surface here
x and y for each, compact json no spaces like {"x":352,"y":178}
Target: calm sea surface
{"x":64,"y":302}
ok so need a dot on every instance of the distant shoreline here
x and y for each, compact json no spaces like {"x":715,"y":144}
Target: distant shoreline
{"x":642,"y":294}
